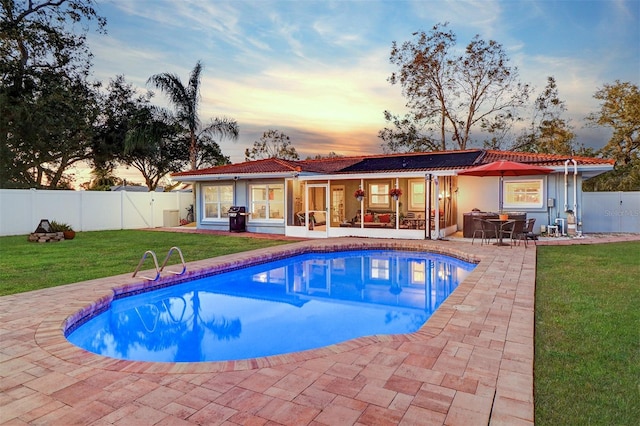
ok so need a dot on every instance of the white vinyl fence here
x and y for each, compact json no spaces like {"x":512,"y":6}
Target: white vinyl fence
{"x":609,"y":212}
{"x":22,"y":209}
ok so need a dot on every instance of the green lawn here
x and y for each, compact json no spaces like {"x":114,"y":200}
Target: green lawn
{"x":26,"y":266}
{"x":587,"y":347}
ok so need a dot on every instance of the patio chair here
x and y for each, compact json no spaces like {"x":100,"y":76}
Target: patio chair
{"x":512,"y":230}
{"x":527,"y":233}
{"x":301,"y":218}
{"x":485,"y":229}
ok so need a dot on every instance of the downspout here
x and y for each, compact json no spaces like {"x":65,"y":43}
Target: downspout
{"x":575,"y":188}
{"x":555,"y":179}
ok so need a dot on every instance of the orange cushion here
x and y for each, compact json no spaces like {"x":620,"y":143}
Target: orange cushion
{"x":384,"y":218}
{"x":368,"y":218}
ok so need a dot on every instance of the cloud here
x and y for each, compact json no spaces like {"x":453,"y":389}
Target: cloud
{"x":344,"y":105}
{"x":321,"y":68}
{"x":308,"y":143}
{"x":114,"y":57}
{"x":466,"y":18}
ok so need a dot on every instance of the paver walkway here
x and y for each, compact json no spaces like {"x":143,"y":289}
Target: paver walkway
{"x":470,"y":364}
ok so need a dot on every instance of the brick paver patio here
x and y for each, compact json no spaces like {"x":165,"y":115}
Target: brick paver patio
{"x":470,"y":364}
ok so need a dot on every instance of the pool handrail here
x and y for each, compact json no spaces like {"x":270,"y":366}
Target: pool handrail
{"x":155,"y":262}
{"x":166,"y":259}
{"x":161,"y":268}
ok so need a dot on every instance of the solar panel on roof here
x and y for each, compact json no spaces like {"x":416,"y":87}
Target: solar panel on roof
{"x":415,"y":162}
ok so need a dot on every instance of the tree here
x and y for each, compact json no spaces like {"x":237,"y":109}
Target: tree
{"x":619,"y":110}
{"x":46,"y":104}
{"x":272,"y":144}
{"x":405,"y":136}
{"x":454,"y":94}
{"x":102,"y":180}
{"x":119,"y":104}
{"x":328,"y":156}
{"x":46,"y":132}
{"x":549,"y":133}
{"x":153,"y":145}
{"x":37,"y":36}
{"x":185,"y":100}
{"x":622,"y":178}
{"x":210,"y":154}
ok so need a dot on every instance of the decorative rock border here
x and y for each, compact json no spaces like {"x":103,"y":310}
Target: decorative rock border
{"x":46,"y":237}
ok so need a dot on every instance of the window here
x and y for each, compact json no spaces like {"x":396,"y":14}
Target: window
{"x":380,"y":269}
{"x":379,"y":195}
{"x":218,"y":199}
{"x":267,"y":201}
{"x":523,"y":193}
{"x":273,"y":276}
{"x":417,"y":191}
{"x":418,"y":273}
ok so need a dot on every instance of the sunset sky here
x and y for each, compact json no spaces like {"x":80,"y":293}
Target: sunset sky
{"x":317,"y":70}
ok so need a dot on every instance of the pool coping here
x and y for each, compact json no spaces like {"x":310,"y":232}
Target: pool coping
{"x":471,"y":363}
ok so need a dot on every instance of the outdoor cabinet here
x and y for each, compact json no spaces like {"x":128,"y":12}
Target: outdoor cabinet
{"x":170,"y":218}
{"x":468,"y":225}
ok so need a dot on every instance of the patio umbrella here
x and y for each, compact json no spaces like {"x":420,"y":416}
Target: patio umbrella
{"x":504,"y":168}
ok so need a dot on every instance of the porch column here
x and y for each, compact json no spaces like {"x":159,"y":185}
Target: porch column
{"x":436,"y":213}
{"x":362,"y":205}
{"x":397,"y":215}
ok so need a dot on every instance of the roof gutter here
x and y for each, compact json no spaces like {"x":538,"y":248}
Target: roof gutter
{"x":386,"y":175}
{"x":236,"y":176}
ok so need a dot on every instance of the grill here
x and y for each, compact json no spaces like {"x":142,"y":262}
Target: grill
{"x":237,"y":219}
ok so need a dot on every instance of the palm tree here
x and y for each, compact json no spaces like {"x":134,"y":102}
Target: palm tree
{"x":185,"y":100}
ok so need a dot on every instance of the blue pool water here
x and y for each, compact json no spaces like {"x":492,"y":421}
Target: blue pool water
{"x":303,"y":302}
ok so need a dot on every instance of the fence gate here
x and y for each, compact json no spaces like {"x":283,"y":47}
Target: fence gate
{"x":611,"y":212}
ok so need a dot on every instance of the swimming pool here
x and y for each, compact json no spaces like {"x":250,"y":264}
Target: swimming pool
{"x":303,"y":302}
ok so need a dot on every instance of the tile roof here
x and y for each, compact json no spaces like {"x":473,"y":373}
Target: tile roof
{"x":539,"y":159}
{"x":420,"y":161}
{"x":269,"y":165}
{"x":329,"y":165}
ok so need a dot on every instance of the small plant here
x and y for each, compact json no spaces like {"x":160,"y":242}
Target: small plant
{"x":359,"y":193}
{"x":59,"y":226}
{"x":65,"y":228}
{"x":395,"y":192}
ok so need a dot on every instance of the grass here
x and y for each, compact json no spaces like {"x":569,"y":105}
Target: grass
{"x":587,"y":339}
{"x":26,"y":266}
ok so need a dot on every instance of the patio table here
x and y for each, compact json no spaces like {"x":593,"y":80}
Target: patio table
{"x":501,"y":223}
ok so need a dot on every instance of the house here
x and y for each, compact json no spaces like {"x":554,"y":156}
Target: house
{"x":318,"y":198}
